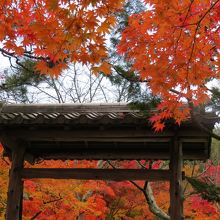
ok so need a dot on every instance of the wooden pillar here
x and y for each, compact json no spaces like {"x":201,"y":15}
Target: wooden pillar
{"x":15,"y":186}
{"x":21,"y":201}
{"x":176,"y":197}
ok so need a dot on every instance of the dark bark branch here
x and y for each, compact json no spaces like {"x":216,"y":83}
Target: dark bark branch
{"x":197,"y":28}
{"x":47,"y":202}
{"x":192,"y":173}
{"x":148,"y":194}
{"x":188,"y":11}
{"x":133,"y":78}
{"x":2,"y":157}
{"x":26,"y":54}
{"x":51,"y":201}
{"x":136,"y":79}
{"x":137,"y":186}
{"x":36,"y":215}
{"x":212,"y":6}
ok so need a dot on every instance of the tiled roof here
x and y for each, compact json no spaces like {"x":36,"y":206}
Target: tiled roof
{"x":67,"y":113}
{"x":96,"y":131}
{"x":76,"y":113}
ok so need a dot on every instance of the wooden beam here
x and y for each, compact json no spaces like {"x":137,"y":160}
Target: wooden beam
{"x":105,"y":155}
{"x":117,"y":155}
{"x":15,"y":187}
{"x":58,"y":134}
{"x":96,"y":174}
{"x":176,"y":197}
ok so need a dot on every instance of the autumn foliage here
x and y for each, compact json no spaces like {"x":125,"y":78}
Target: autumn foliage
{"x":56,"y":32}
{"x":175,"y":48}
{"x":69,"y":199}
{"x":172,"y":45}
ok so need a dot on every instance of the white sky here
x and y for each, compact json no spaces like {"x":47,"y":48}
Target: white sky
{"x":4,"y":62}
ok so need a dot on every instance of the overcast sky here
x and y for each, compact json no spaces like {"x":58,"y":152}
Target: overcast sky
{"x":4,"y":62}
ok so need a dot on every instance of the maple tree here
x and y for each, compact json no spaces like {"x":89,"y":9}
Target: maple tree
{"x":172,"y":45}
{"x":57,"y":32}
{"x":69,"y":199}
{"x":174,"y":48}
{"x":19,"y":84}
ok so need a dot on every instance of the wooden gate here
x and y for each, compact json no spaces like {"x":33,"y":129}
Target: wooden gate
{"x":95,"y":132}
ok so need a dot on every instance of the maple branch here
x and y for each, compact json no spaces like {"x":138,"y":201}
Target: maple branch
{"x":148,"y":194}
{"x":192,"y":173}
{"x":114,"y":209}
{"x":4,"y":204}
{"x":204,"y":171}
{"x":140,"y":164}
{"x":26,"y":54}
{"x":138,"y":80}
{"x":12,"y":55}
{"x":6,"y":53}
{"x":130,"y":76}
{"x":177,"y":42}
{"x":54,"y":200}
{"x":196,"y":30}
{"x":137,"y":186}
{"x":36,"y":215}
{"x":213,"y":5}
{"x":3,"y":158}
{"x":132,"y":182}
{"x":186,"y":25}
{"x":47,"y":202}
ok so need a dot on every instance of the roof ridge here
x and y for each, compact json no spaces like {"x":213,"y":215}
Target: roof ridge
{"x":67,"y":108}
